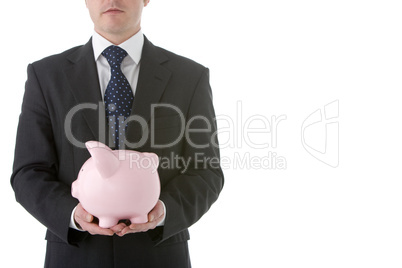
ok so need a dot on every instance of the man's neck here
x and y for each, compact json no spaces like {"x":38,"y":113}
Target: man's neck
{"x":117,"y":39}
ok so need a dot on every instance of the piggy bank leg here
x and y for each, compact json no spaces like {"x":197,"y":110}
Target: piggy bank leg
{"x":139,"y":219}
{"x":106,"y":222}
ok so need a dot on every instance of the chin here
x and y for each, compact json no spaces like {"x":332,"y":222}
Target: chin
{"x":114,"y":28}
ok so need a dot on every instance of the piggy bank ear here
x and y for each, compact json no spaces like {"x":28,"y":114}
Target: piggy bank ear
{"x":106,"y":162}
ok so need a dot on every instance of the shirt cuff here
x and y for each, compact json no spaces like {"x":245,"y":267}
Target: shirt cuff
{"x":72,"y":221}
{"x":162,"y":222}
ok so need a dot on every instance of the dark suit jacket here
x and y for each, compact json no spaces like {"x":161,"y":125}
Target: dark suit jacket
{"x":47,"y":162}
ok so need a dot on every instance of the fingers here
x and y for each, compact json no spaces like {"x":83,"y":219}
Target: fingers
{"x":137,"y":228}
{"x":94,"y":229}
{"x":86,"y":222}
{"x":118,"y":228}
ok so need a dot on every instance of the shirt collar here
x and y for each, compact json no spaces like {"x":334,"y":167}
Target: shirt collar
{"x":133,"y":45}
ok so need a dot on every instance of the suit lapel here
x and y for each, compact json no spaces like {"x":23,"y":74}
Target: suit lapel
{"x":152,"y":81}
{"x":84,"y":85}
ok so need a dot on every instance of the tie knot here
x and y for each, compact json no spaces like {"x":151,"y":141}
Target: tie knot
{"x":114,"y":55}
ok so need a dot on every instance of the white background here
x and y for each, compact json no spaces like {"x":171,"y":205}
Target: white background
{"x":278,"y":58}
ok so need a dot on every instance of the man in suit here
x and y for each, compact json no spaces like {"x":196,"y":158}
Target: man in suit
{"x":172,"y":115}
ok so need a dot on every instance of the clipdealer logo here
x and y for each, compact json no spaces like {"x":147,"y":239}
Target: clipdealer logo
{"x":320,"y":134}
{"x":250,"y":142}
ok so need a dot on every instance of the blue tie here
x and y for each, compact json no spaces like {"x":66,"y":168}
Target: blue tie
{"x":118,"y":95}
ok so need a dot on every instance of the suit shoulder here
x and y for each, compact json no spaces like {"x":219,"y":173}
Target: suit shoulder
{"x":182,"y":63}
{"x":54,"y":61}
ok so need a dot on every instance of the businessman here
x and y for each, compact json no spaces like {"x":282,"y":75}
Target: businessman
{"x":121,"y":90}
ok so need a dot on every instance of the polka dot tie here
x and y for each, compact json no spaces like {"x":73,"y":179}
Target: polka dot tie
{"x":118,"y":95}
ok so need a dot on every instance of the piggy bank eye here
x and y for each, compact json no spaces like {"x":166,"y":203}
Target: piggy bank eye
{"x":82,"y":170}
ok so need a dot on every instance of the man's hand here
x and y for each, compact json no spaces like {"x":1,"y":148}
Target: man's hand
{"x":154,"y":217}
{"x":86,"y":222}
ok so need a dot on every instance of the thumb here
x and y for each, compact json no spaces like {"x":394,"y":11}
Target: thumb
{"x":151,"y":216}
{"x":83,"y":214}
{"x":89,"y":217}
{"x":156,"y":212}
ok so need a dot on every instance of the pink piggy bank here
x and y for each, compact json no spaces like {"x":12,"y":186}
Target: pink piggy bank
{"x":116,"y":185}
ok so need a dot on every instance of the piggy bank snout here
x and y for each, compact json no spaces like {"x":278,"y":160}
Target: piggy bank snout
{"x":74,"y":189}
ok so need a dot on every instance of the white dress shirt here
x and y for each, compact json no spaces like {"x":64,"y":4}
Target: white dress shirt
{"x":130,"y":67}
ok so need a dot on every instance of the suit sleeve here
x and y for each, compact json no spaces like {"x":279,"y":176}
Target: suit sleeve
{"x":189,"y":195}
{"x":35,"y":171}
